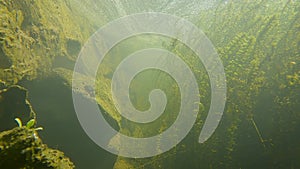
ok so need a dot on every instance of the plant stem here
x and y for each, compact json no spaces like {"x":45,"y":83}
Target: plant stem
{"x":258,"y":132}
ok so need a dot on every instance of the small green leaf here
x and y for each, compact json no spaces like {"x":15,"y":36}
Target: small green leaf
{"x":30,"y":123}
{"x":18,"y":120}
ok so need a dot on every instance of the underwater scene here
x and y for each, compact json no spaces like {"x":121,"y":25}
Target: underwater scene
{"x":161,"y":84}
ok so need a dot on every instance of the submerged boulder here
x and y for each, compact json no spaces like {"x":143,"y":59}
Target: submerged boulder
{"x":22,"y":148}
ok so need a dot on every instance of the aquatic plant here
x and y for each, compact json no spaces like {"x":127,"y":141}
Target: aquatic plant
{"x":22,"y":148}
{"x":258,"y":43}
{"x":31,"y":38}
{"x":29,"y":125}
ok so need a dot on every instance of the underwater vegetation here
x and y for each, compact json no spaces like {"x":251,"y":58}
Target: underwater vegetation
{"x":257,"y":41}
{"x":33,"y":34}
{"x":21,"y":147}
{"x":31,"y":38}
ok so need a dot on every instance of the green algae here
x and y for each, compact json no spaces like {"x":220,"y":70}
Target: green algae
{"x":33,"y":34}
{"x":22,"y":148}
{"x":258,"y":43}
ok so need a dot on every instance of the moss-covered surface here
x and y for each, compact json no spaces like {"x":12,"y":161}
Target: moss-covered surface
{"x":35,"y":36}
{"x":35,"y":33}
{"x":258,"y":42}
{"x":22,"y":148}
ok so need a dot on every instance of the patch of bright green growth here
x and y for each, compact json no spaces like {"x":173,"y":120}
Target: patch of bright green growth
{"x":29,"y":125}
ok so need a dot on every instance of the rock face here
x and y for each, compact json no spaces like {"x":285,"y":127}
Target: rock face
{"x":22,"y":148}
{"x":33,"y":34}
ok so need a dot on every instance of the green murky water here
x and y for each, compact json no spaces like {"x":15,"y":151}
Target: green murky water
{"x":258,"y":43}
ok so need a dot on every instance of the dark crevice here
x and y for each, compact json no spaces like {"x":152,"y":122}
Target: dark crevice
{"x":5,"y":62}
{"x":73,"y":47}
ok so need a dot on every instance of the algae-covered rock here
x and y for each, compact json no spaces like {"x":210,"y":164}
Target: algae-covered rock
{"x":22,"y":148}
{"x":33,"y":34}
